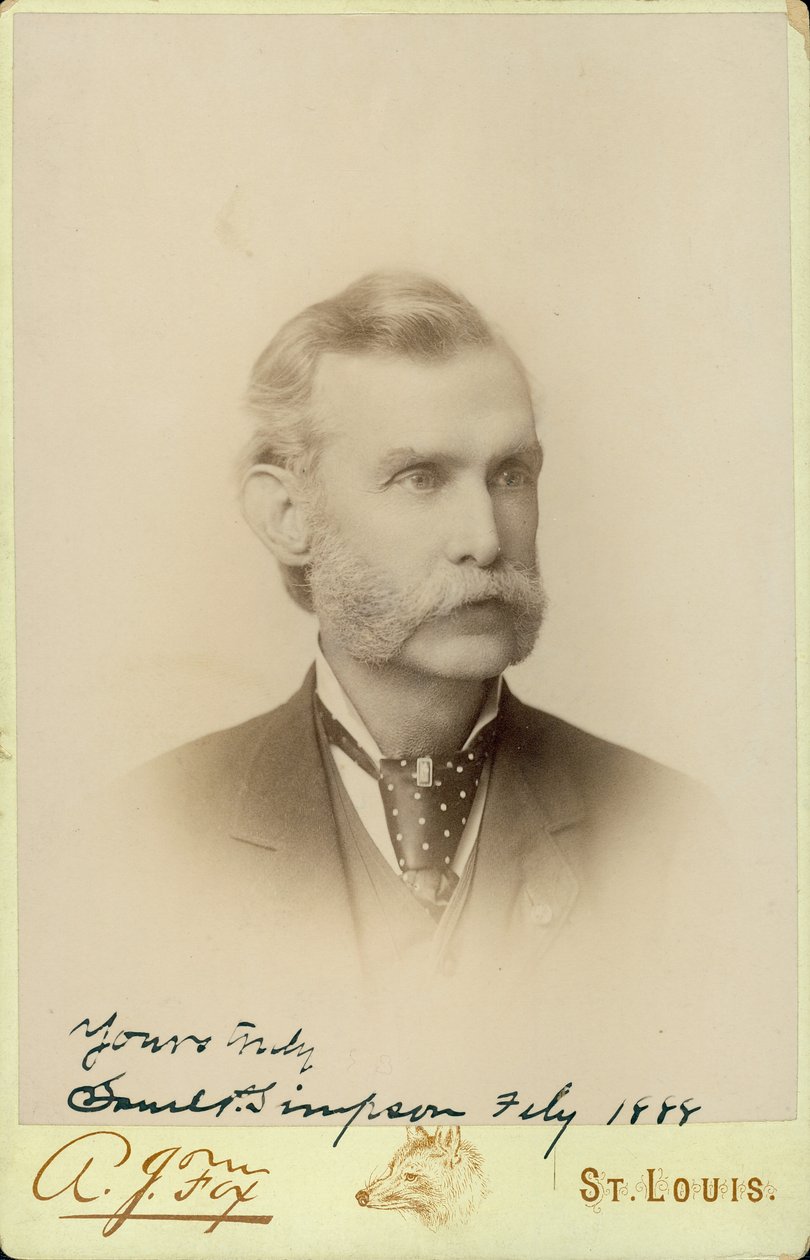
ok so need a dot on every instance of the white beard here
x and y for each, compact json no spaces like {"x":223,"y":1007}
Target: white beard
{"x":373,"y":617}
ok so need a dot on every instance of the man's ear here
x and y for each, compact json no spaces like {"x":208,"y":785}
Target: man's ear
{"x":272,"y":505}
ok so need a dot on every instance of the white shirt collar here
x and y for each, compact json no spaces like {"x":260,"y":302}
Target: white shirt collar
{"x":341,"y":707}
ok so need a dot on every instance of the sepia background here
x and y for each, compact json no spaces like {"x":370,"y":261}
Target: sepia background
{"x":612,"y":193}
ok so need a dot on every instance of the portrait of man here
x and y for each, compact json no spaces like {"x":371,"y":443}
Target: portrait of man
{"x":440,"y":706}
{"x":393,"y":474}
{"x":403,"y":814}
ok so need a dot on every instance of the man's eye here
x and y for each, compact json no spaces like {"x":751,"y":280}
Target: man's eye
{"x":419,"y":479}
{"x":410,"y":1176}
{"x":513,"y":477}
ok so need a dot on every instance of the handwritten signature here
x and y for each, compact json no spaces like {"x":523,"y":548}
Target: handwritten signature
{"x":102,"y":1096}
{"x":84,"y":1168}
{"x":110,"y":1037}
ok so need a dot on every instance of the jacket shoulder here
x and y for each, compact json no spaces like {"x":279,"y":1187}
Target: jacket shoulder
{"x":643,"y":827}
{"x":600,"y":769}
{"x":204,"y":775}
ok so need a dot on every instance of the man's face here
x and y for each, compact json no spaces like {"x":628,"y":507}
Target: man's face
{"x":425,"y":512}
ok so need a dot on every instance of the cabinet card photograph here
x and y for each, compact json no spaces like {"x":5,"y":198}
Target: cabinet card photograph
{"x":403,"y":470}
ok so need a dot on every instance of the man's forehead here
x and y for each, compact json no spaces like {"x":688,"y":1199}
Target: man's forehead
{"x":372,"y":394}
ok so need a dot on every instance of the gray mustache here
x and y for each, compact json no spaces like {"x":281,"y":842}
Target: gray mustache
{"x":512,"y":584}
{"x":374,"y":611}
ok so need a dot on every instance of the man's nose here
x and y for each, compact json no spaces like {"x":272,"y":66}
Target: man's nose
{"x":473,"y":534}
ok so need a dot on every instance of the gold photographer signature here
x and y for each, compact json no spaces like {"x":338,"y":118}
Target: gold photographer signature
{"x":94,"y":1165}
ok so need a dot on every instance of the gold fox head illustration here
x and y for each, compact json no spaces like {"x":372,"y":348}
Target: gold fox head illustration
{"x":437,"y":1177}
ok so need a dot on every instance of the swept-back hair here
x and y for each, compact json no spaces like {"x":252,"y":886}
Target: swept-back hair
{"x":386,"y":313}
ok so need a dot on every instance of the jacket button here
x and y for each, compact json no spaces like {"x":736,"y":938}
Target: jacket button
{"x":542,"y":913}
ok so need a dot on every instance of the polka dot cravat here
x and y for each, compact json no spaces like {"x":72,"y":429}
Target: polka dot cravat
{"x":427,"y":801}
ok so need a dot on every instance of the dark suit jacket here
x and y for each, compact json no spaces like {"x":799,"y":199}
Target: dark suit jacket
{"x":601,"y":930}
{"x":583,"y":845}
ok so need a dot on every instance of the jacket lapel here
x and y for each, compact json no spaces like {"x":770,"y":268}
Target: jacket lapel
{"x":283,"y":804}
{"x":525,"y":882}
